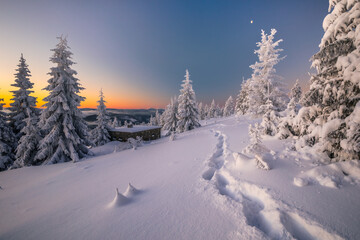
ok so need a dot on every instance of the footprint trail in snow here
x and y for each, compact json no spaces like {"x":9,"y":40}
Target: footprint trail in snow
{"x":270,"y":218}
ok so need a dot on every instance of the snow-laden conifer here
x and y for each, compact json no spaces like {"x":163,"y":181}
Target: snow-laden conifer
{"x":152,"y":121}
{"x":286,"y":122}
{"x":188,"y":115}
{"x":269,"y":120}
{"x":28,"y":143}
{"x":255,"y":146}
{"x":264,"y":83}
{"x":22,"y":101}
{"x":158,"y":118}
{"x":66,"y":133}
{"x":229,"y":107}
{"x":100,"y":135}
{"x":7,"y":141}
{"x":115,"y":123}
{"x":202,"y":112}
{"x":296,"y":92}
{"x":335,"y":89}
{"x":170,"y":118}
{"x":242,"y":99}
{"x":212,"y":110}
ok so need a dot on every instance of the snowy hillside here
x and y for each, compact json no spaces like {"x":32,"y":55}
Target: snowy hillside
{"x":199,"y":186}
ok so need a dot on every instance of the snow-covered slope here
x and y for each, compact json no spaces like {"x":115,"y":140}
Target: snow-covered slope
{"x":199,"y":186}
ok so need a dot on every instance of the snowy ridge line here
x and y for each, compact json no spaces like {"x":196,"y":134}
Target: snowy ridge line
{"x":265,"y":215}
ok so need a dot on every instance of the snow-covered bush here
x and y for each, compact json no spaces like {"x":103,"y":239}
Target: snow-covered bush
{"x":66,"y":133}
{"x":135,"y":143}
{"x":188,"y":115}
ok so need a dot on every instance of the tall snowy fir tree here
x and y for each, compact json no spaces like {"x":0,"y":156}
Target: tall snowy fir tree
{"x":65,"y":131}
{"x":264,"y":83}
{"x":229,"y":107}
{"x":188,"y":115}
{"x":100,"y":135}
{"x":28,"y":143}
{"x":7,"y":141}
{"x":22,"y":103}
{"x":334,"y":94}
{"x":170,"y":118}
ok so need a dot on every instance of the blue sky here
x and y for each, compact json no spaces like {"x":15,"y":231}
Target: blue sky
{"x":137,"y":51}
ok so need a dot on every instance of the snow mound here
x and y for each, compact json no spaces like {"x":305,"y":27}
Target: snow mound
{"x":243,"y":161}
{"x":131,"y":191}
{"x":300,"y":182}
{"x":332,"y":175}
{"x":119,"y":200}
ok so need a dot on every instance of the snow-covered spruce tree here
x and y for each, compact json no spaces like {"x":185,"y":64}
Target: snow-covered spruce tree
{"x":22,"y":101}
{"x":269,"y":120}
{"x":100,"y":135}
{"x":202,"y":113}
{"x":28,"y":143}
{"x":218,"y":111}
{"x":158,"y":118}
{"x":115,"y":123}
{"x":7,"y":142}
{"x":65,"y":131}
{"x":212,"y":110}
{"x":335,"y":89}
{"x":264,"y":83}
{"x":242,"y":100}
{"x":170,"y":118}
{"x":287,"y":127}
{"x":206,"y":111}
{"x":188,"y":115}
{"x":152,"y":121}
{"x":229,"y":107}
{"x":255,"y":145}
{"x":296,"y":92}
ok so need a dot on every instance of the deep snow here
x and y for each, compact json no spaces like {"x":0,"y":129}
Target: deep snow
{"x":199,"y":186}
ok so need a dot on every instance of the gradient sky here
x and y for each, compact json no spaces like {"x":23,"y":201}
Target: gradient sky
{"x":137,"y":51}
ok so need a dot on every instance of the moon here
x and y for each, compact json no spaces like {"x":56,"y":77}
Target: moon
{"x":251,"y":21}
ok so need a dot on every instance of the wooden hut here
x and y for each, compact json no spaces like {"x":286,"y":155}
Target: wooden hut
{"x":146,"y":132}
